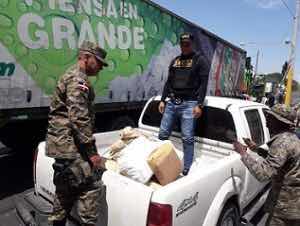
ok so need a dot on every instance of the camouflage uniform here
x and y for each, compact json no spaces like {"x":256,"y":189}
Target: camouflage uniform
{"x":70,"y":141}
{"x":77,"y":186}
{"x":297,"y":109}
{"x":71,"y":117}
{"x":282,"y":167}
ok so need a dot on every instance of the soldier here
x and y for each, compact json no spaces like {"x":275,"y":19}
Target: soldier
{"x":281,"y":166}
{"x":297,"y":109}
{"x":186,"y":87}
{"x":71,"y":143}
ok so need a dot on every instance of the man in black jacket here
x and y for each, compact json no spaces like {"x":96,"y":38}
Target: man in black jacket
{"x":186,"y":87}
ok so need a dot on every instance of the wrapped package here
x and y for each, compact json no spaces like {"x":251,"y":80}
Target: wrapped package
{"x":133,"y":159}
{"x":127,"y":135}
{"x":165,"y":163}
{"x":115,"y":149}
{"x":154,"y":185}
{"x":110,"y":165}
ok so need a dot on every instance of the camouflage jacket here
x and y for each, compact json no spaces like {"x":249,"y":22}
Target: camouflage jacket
{"x":71,"y":117}
{"x":282,"y":167}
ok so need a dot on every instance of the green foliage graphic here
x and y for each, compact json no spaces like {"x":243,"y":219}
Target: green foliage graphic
{"x":47,"y":63}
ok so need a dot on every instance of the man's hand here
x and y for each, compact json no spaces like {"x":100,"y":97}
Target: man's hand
{"x":96,"y":161}
{"x":197,"y":112}
{"x":161,"y":107}
{"x":239,"y":148}
{"x":250,"y":143}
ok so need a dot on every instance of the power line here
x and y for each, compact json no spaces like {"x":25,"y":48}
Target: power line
{"x":288,"y":8}
{"x":277,"y":43}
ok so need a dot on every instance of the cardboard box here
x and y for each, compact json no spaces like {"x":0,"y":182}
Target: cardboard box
{"x":165,"y":163}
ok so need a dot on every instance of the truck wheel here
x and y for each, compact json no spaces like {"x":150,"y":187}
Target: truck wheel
{"x":229,"y":216}
{"x":122,"y":122}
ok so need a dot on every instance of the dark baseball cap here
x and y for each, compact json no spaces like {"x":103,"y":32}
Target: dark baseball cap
{"x":186,"y":37}
{"x":94,"y":49}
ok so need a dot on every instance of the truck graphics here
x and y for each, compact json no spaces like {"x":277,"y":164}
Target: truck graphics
{"x":42,"y":38}
{"x":7,"y":69}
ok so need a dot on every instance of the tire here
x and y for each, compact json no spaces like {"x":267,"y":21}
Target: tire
{"x":229,"y":216}
{"x":122,"y":122}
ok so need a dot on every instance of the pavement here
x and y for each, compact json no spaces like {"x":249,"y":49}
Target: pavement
{"x":8,"y":213}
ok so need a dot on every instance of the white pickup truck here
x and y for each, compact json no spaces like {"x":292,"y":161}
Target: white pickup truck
{"x":219,"y":190}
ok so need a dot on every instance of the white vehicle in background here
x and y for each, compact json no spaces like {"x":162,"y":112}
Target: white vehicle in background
{"x":219,"y":190}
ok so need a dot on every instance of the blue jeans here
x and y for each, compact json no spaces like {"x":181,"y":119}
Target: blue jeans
{"x":183,"y":112}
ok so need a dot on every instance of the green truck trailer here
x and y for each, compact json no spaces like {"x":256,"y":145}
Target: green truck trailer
{"x":39,"y":40}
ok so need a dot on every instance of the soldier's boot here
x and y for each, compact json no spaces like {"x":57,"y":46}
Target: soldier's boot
{"x":60,"y":223}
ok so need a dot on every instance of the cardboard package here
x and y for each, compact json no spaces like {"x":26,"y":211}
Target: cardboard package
{"x":165,"y":163}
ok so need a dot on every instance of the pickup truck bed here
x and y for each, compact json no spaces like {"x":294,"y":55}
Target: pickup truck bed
{"x":205,"y":154}
{"x":116,"y":184}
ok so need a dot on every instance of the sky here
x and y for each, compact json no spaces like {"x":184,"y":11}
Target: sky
{"x":262,"y":25}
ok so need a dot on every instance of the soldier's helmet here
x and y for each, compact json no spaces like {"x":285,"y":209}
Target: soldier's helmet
{"x":94,"y":49}
{"x":286,"y":114}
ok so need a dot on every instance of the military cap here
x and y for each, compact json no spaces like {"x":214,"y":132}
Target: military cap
{"x":186,"y":37}
{"x":285,"y":114}
{"x":94,"y":49}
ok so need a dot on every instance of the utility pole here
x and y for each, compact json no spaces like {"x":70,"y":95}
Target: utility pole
{"x":292,"y":60}
{"x":256,"y":65}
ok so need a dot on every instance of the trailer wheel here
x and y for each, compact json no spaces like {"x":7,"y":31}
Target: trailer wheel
{"x":229,"y":216}
{"x":122,"y":122}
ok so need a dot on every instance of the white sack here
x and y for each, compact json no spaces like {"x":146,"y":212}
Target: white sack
{"x":133,"y":159}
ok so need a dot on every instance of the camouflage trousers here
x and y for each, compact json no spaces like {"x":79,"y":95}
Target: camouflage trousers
{"x":276,"y":221}
{"x":77,"y":190}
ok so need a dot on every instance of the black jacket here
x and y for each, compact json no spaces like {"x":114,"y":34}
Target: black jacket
{"x":188,"y":78}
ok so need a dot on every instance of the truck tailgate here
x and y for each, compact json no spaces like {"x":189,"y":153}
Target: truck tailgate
{"x":127,"y":200}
